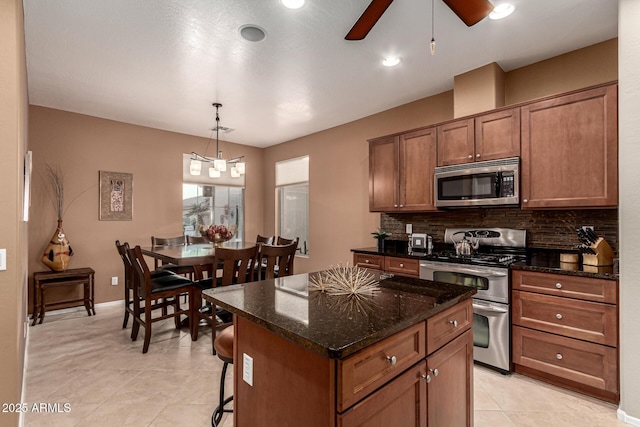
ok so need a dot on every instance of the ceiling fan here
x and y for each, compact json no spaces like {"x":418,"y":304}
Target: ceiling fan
{"x":469,"y":11}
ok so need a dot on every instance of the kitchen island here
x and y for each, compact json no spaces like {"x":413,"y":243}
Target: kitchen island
{"x":400,"y":357}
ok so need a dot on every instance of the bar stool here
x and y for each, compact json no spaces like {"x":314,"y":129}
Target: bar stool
{"x":224,"y":349}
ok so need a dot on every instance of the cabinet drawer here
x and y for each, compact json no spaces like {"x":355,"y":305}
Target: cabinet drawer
{"x":586,"y":363}
{"x":405,"y":398}
{"x":374,"y":262}
{"x":586,"y":288}
{"x":445,"y":326}
{"x":585,"y":320}
{"x":365,"y":371}
{"x":403,"y":266}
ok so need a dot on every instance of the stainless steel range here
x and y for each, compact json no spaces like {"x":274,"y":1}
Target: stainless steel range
{"x":480,"y":257}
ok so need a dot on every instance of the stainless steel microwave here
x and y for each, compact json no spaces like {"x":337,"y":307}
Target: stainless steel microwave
{"x":490,"y":183}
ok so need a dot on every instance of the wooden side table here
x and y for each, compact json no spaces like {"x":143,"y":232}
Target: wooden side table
{"x":43,"y":280}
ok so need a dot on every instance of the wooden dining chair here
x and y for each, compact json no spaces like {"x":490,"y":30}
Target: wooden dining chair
{"x":266,"y":240}
{"x":166,"y":241}
{"x":282,"y":241}
{"x":196,"y":240}
{"x":166,"y":289}
{"x":237,"y":267}
{"x":129,"y":279}
{"x":276,"y":260}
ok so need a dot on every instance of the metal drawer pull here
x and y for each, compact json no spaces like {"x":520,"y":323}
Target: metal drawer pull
{"x":434,"y":372}
{"x":559,"y":356}
{"x":470,"y":156}
{"x":401,"y":265}
{"x":366,"y":261}
{"x":558,"y":316}
{"x":559,"y":285}
{"x":426,"y":377}
{"x":392,"y":360}
{"x":454,"y":323}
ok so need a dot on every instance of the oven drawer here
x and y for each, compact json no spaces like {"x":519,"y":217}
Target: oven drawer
{"x":586,"y":288}
{"x":447,"y":325}
{"x":374,"y":262}
{"x":368,"y":369}
{"x":585,"y":320}
{"x":593,"y":365}
{"x":403,"y":266}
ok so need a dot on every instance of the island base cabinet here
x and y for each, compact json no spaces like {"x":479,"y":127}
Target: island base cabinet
{"x":450,"y":384}
{"x":401,"y":403}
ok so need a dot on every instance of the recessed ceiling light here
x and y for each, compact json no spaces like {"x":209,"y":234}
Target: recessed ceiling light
{"x":391,"y":61}
{"x":252,"y":33}
{"x":292,"y":4}
{"x":502,"y":11}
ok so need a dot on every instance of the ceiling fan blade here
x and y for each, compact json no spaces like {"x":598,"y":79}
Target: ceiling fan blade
{"x":470,"y":11}
{"x":368,"y":19}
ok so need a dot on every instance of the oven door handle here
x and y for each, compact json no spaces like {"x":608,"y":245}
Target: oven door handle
{"x":485,"y":273}
{"x":489,"y":309}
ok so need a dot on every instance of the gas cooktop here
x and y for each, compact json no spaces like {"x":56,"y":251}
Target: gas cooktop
{"x":487,"y":259}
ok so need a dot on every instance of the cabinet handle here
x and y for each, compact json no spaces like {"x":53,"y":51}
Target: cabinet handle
{"x":366,"y":261}
{"x":525,"y":201}
{"x":434,"y":372}
{"x":392,"y":360}
{"x":478,"y":155}
{"x":559,"y":316}
{"x":470,"y":156}
{"x":559,"y":285}
{"x":559,"y":356}
{"x":395,"y":206}
{"x":454,"y":323}
{"x":426,"y":378}
{"x":402,"y":206}
{"x":401,"y":265}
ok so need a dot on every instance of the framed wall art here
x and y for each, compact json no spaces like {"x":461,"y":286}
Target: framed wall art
{"x":116,"y":196}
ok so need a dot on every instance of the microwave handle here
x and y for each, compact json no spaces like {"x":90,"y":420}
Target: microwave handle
{"x":498,"y":183}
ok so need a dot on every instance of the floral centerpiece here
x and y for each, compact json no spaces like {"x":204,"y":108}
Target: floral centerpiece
{"x":217,"y":233}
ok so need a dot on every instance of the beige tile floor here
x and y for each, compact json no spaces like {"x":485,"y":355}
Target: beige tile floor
{"x":92,"y":364}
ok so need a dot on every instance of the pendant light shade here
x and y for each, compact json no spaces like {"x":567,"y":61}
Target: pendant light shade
{"x":195,"y":167}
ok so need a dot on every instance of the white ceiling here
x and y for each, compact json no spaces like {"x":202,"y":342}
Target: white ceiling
{"x":162,"y":63}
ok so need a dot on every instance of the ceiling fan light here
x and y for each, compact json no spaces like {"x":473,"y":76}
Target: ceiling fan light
{"x":213,"y":173}
{"x":391,"y":61}
{"x":220,"y":164}
{"x":195,"y":167}
{"x":292,"y":4}
{"x":502,"y":11}
{"x":240,"y":167}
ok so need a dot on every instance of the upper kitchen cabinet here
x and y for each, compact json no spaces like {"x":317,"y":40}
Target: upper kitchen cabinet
{"x":490,"y":136}
{"x":570,"y":151}
{"x":401,"y":172}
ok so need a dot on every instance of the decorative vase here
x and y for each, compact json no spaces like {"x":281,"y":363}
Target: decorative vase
{"x":380,"y":245}
{"x":56,"y":255}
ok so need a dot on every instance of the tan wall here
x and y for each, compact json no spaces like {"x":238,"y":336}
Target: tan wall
{"x":13,"y":231}
{"x":338,"y":179}
{"x":478,"y":90}
{"x":83,"y":145}
{"x":574,"y":70}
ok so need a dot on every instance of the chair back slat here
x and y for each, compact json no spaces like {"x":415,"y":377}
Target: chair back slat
{"x":266,"y":240}
{"x":142,"y":274}
{"x":282,"y":241}
{"x":194,"y":240}
{"x":277,"y":260}
{"x":237,"y":264}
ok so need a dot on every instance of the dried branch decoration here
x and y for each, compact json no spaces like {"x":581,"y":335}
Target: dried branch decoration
{"x":56,"y":179}
{"x":344,"y":281}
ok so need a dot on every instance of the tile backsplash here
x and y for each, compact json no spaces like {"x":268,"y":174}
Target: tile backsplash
{"x":545,"y":228}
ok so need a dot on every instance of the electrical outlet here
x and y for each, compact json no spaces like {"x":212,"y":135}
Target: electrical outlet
{"x":408,"y":228}
{"x":114,"y":280}
{"x":247,"y":369}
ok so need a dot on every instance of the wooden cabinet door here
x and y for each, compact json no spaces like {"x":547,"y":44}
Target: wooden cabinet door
{"x":417,"y":166}
{"x":498,"y":135}
{"x":455,"y":143}
{"x":570,"y":151}
{"x":401,"y":403}
{"x":450,"y":384}
{"x":383,"y":174}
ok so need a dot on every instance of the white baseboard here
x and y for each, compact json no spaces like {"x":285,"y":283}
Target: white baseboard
{"x":627,"y":419}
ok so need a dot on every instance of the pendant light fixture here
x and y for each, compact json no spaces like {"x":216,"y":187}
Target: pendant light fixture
{"x":217,"y":164}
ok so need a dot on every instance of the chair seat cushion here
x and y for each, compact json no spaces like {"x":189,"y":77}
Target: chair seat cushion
{"x":160,"y":273}
{"x":170,"y":281}
{"x":224,"y":343}
{"x":207,"y":283}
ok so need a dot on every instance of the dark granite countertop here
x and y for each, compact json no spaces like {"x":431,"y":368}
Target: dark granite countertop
{"x":334,"y":326}
{"x":548,"y":261}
